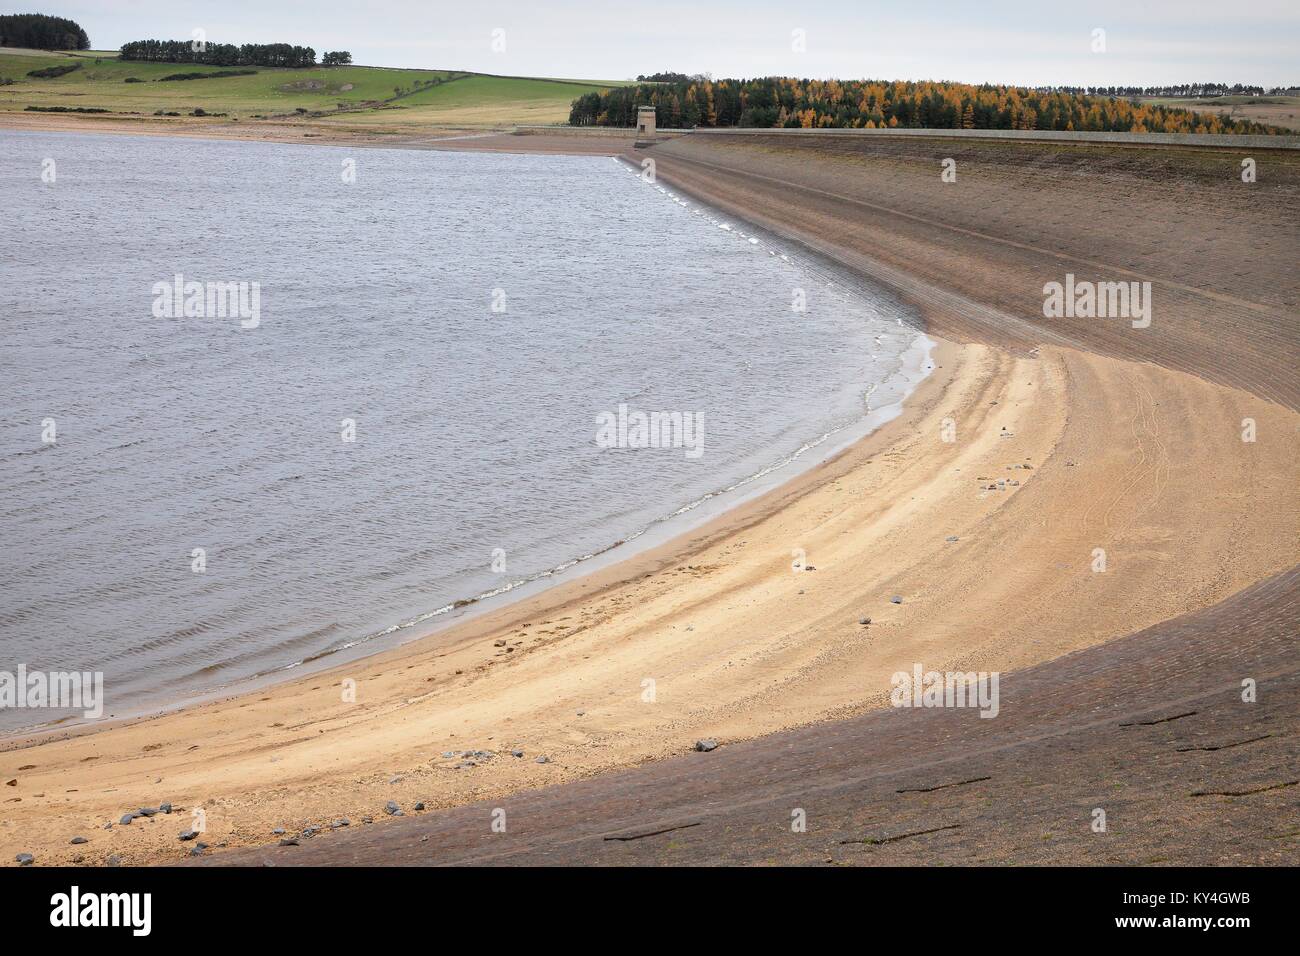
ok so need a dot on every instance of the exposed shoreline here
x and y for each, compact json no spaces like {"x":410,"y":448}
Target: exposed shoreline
{"x":738,"y":644}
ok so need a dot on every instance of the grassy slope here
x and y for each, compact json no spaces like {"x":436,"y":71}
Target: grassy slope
{"x":485,"y":100}
{"x":1281,"y":111}
{"x":472,"y":99}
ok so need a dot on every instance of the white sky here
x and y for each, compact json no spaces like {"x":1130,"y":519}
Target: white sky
{"x":1029,"y":42}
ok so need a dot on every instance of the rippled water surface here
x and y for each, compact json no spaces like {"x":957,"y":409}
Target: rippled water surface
{"x":475,"y":430}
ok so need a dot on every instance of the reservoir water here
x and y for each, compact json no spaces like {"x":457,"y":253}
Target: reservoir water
{"x":407,"y":413}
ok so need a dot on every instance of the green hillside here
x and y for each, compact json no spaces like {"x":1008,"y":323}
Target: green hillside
{"x":381,"y":95}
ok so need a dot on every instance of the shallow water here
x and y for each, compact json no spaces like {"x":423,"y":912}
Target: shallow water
{"x":476,"y":463}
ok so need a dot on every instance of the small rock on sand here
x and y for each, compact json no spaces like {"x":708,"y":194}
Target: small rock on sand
{"x":24,"y":859}
{"x":78,"y":840}
{"x":864,"y":620}
{"x":896,"y":599}
{"x":289,"y":841}
{"x":704,"y":746}
{"x":543,"y":759}
{"x":392,"y":809}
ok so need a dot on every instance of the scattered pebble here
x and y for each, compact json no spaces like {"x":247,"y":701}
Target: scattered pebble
{"x":187,"y":835}
{"x":543,"y":759}
{"x":289,"y":841}
{"x":896,"y":599}
{"x":24,"y":859}
{"x":516,"y":753}
{"x":78,"y":840}
{"x":951,"y":538}
{"x":278,"y":831}
{"x":392,"y":809}
{"x":864,"y":620}
{"x":420,"y":805}
{"x":340,"y":824}
{"x":704,"y":746}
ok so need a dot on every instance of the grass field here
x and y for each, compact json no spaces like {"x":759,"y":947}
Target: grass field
{"x":383,"y":96}
{"x":1281,"y":111}
{"x":478,"y":100}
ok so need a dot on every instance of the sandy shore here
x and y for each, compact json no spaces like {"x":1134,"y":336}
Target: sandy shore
{"x":716,"y":634}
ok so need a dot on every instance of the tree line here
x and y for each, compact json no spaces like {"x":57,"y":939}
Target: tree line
{"x":228,"y":54}
{"x":790,"y":103}
{"x":36,"y":31}
{"x":1190,"y":90}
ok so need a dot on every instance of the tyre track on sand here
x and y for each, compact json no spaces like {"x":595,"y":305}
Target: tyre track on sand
{"x":1057,"y":749}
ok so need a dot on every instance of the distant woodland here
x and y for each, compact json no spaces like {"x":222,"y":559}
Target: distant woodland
{"x":229,"y":54}
{"x":785,"y":102}
{"x":36,"y":31}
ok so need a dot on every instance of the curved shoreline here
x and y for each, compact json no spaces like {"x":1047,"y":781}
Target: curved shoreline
{"x":738,"y":645}
{"x":610,"y":568}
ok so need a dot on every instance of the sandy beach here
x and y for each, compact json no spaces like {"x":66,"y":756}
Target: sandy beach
{"x":1064,"y":439}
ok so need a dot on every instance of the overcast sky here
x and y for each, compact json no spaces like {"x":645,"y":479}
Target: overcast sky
{"x":1028,"y":42}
